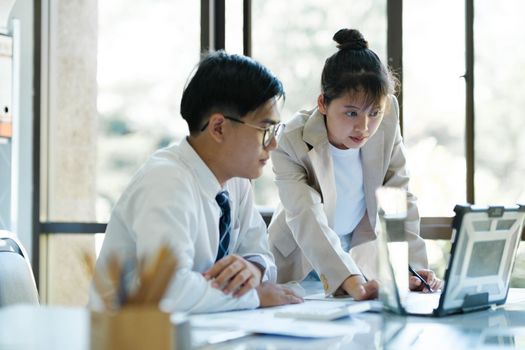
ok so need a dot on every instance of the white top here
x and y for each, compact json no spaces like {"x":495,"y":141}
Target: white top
{"x":171,"y":199}
{"x":350,"y":202}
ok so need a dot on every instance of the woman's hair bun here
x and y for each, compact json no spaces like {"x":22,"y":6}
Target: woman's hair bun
{"x":350,"y":39}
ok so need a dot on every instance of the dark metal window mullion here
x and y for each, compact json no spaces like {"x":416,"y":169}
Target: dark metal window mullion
{"x":395,"y":47}
{"x":212,"y":25}
{"x":73,"y":227}
{"x":247,"y":27}
{"x":37,"y":61}
{"x":219,"y":25}
{"x":469,"y":103}
{"x":205,"y":25}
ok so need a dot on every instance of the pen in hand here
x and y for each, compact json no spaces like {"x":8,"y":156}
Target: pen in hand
{"x":420,"y":278}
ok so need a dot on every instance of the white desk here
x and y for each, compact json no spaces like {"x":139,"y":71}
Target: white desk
{"x":502,"y":327}
{"x":28,"y":327}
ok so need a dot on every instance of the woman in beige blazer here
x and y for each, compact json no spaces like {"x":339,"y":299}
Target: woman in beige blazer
{"x":356,"y":111}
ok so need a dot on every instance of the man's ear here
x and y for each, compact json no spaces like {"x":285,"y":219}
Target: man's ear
{"x":215,"y":127}
{"x":321,"y":105}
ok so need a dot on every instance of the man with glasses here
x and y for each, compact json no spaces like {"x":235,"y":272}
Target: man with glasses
{"x":196,"y":196}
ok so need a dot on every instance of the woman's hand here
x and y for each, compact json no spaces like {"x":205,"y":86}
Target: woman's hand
{"x":430,"y":277}
{"x":272,"y":294}
{"x":359,"y":289}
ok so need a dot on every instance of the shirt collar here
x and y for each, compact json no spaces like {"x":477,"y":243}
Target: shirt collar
{"x":207,"y":180}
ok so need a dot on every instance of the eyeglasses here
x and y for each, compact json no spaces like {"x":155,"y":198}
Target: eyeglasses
{"x":269,"y":132}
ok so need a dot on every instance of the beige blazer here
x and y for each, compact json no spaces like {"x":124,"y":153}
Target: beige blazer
{"x":300,"y":233}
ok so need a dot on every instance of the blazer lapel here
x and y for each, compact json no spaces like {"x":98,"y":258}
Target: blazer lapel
{"x":315,"y":135}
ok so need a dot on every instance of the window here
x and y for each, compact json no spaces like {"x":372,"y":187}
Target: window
{"x":499,"y":103}
{"x":145,"y":54}
{"x":116,"y":78}
{"x":234,"y":27}
{"x":499,"y":142}
{"x":297,"y":58}
{"x":116,"y":75}
{"x":434,"y":103}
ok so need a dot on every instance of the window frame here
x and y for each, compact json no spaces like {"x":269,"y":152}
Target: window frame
{"x":213,"y":38}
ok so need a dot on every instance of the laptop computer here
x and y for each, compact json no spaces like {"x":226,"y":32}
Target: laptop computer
{"x":484,"y":245}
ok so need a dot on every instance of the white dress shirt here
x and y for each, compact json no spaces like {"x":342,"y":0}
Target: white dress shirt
{"x":171,"y":200}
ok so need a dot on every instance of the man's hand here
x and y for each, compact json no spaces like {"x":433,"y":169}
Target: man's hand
{"x":271,"y":294}
{"x":430,"y":277}
{"x":234,"y":274}
{"x":359,"y":289}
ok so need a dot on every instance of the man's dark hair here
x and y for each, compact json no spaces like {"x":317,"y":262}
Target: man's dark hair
{"x":229,"y":84}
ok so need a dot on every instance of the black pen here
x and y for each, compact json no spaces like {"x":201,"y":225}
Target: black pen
{"x":420,"y":278}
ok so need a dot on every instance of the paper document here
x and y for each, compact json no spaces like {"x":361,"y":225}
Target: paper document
{"x":516,"y":295}
{"x":323,"y":297}
{"x":264,"y":321}
{"x":326,"y":313}
{"x":280,"y":326}
{"x":204,"y":336}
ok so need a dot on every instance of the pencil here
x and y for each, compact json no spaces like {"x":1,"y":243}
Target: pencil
{"x":98,"y":284}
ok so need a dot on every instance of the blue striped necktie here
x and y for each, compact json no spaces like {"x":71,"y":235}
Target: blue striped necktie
{"x":224,"y":224}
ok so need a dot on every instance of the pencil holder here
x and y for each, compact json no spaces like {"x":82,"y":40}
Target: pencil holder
{"x":138,"y":328}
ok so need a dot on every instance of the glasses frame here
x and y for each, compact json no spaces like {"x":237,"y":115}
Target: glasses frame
{"x":271,"y":130}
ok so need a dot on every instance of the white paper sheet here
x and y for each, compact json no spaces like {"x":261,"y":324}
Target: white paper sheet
{"x":321,"y":296}
{"x":263,"y":321}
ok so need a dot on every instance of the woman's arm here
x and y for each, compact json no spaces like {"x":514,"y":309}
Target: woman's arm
{"x":305,"y":215}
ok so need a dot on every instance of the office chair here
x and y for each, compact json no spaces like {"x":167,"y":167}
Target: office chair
{"x":17,"y":283}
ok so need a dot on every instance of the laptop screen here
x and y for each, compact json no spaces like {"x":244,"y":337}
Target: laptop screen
{"x":484,"y":246}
